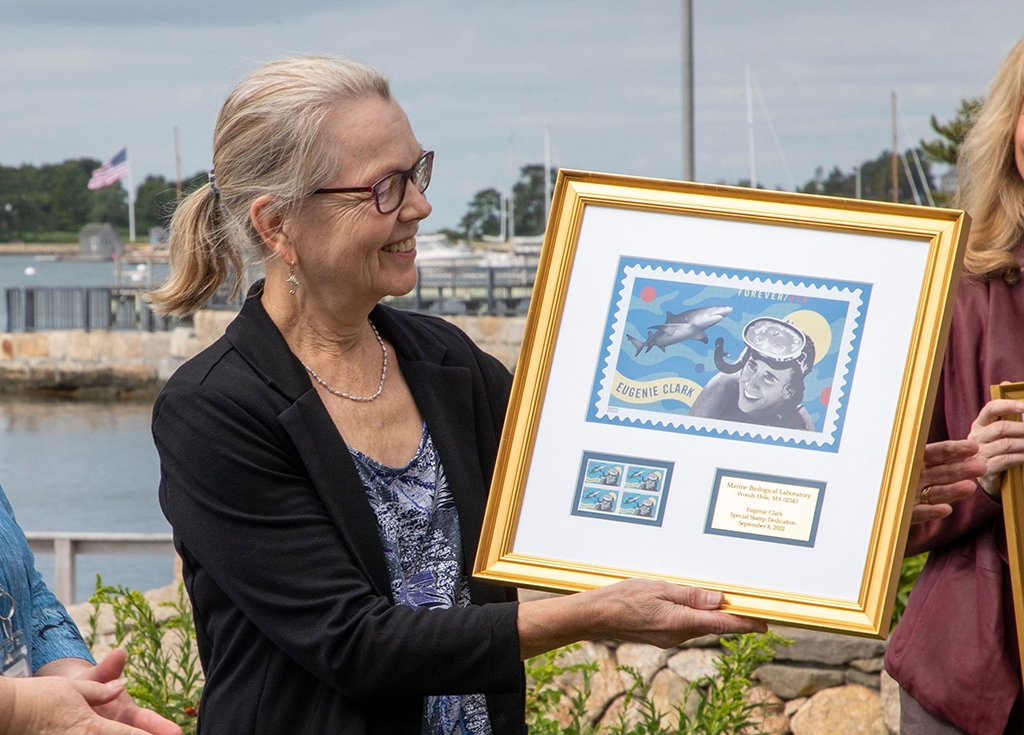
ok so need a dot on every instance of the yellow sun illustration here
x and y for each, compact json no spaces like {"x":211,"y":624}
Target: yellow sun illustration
{"x":814,"y":326}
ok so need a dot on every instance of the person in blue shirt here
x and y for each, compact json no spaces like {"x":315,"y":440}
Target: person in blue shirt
{"x":50,"y":682}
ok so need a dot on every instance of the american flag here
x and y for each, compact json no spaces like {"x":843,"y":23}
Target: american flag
{"x":110,"y":172}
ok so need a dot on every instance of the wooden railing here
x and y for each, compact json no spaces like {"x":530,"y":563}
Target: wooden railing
{"x":66,"y":546}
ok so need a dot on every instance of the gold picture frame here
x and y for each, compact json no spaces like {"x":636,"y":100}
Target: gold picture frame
{"x":638,"y":440}
{"x":1012,"y":492}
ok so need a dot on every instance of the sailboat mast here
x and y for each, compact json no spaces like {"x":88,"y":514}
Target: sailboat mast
{"x":750,"y":129}
{"x":177,"y":166}
{"x":895,"y":147}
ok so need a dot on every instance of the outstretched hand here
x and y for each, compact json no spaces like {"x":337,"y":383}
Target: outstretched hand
{"x":665,"y":615}
{"x":949,"y":473}
{"x":638,"y":610}
{"x":123,"y":708}
{"x":1000,"y":442}
{"x":54,"y":705}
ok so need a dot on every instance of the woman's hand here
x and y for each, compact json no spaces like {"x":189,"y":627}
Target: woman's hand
{"x":1001,"y":443}
{"x":638,"y":610}
{"x":950,"y":468}
{"x":54,"y":705}
{"x":120,"y":708}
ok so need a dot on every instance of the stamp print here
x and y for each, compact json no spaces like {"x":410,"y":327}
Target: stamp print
{"x":618,"y":488}
{"x":743,"y":355}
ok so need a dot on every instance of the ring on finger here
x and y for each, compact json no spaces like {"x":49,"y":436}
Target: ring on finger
{"x":924,"y":495}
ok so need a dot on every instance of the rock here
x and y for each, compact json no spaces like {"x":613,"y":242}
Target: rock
{"x":587,"y":652}
{"x":859,"y":677}
{"x":826,"y":648}
{"x":769,"y":716}
{"x":848,"y":710}
{"x":795,"y":704}
{"x":668,"y":691}
{"x":890,"y":698}
{"x":605,"y":686}
{"x":692,"y":664}
{"x":705,"y":641}
{"x":527,"y":595}
{"x":162,"y":613}
{"x":790,"y":682}
{"x":614,"y":714}
{"x":647,"y":660}
{"x":868,"y":665}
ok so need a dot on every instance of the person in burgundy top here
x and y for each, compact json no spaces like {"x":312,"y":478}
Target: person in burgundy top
{"x":955,"y":652}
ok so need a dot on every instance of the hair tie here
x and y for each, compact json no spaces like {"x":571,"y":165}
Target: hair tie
{"x":213,"y":183}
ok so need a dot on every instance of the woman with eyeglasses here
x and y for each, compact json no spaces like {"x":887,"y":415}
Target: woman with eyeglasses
{"x":325,"y":465}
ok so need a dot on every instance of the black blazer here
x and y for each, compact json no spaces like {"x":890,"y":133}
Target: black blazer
{"x":296,"y":626}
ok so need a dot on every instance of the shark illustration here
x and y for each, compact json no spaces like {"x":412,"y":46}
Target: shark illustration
{"x":679,"y":327}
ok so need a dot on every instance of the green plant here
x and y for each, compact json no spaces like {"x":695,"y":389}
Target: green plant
{"x":909,"y":572}
{"x":722,"y":706}
{"x":543,"y":696}
{"x":163,"y":669}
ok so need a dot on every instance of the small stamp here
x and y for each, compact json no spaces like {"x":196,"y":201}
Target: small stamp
{"x":630,"y":489}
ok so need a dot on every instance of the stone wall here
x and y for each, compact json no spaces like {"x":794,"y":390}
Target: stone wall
{"x":107,"y":364}
{"x":101,"y":363}
{"x":824,"y":684}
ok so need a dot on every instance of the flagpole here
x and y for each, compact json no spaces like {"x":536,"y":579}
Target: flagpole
{"x":131,"y":203}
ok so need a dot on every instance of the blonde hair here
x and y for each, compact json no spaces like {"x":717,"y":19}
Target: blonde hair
{"x":990,"y":187}
{"x":268,"y":140}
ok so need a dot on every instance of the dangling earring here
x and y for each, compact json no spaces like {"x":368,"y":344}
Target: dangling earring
{"x":293,"y":282}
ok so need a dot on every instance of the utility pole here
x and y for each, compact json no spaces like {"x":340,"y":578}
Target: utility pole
{"x":687,"y":8}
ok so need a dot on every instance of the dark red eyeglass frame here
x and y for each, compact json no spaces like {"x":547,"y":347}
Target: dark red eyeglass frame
{"x":424,"y":162}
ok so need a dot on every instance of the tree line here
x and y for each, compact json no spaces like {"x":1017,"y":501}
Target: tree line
{"x":484,"y":212}
{"x":37,"y":201}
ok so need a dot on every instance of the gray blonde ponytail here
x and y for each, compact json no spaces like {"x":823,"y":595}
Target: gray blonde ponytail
{"x":267,"y":142}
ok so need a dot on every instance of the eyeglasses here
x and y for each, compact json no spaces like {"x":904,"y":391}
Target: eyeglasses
{"x":389,"y":192}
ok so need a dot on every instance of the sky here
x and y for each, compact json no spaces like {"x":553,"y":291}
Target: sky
{"x":481,"y":80}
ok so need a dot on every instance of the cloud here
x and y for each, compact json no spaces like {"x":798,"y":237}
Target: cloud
{"x":88,"y":77}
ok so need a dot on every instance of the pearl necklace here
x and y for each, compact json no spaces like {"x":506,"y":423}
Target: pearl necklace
{"x":342,"y":394}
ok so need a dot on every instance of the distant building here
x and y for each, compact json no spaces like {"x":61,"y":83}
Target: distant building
{"x":99,"y":240}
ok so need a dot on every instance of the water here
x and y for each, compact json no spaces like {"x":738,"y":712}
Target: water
{"x":82,"y":466}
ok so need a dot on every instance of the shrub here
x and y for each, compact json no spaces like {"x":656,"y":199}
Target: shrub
{"x":163,"y":669}
{"x":722,"y":705}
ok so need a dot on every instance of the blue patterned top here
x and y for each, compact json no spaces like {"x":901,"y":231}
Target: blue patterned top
{"x":418,"y":525}
{"x":50,"y":633}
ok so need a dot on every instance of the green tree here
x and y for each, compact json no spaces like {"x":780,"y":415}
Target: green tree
{"x":528,"y":195}
{"x":110,"y":204}
{"x":155,"y":200}
{"x":54,"y":198}
{"x":876,"y":180}
{"x":483,"y":216}
{"x":946,"y":148}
